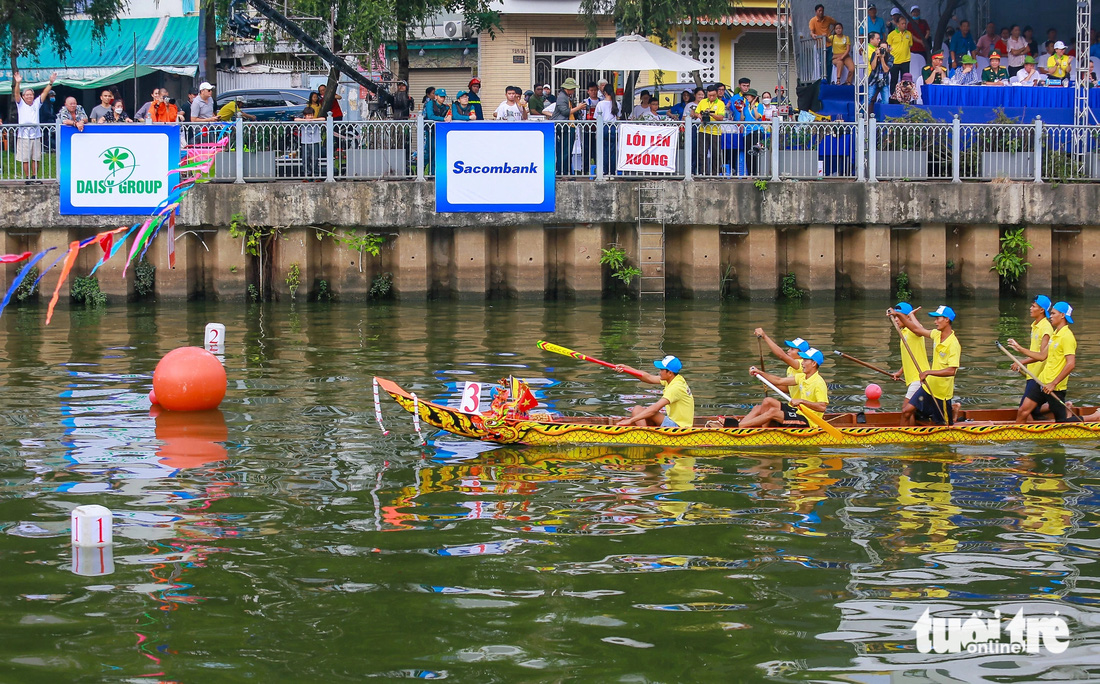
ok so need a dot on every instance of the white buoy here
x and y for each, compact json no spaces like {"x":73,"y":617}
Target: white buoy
{"x":91,"y":526}
{"x":214,"y":338}
{"x":93,"y":561}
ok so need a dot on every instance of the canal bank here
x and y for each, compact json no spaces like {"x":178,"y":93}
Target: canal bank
{"x":693,"y":239}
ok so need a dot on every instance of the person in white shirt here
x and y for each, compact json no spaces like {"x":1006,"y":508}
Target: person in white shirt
{"x":643,"y":108}
{"x":512,"y":109}
{"x":28,"y":141}
{"x":1017,"y":50}
{"x":769,"y":109}
{"x":651,"y":114}
{"x":311,"y":145}
{"x":1029,"y":75}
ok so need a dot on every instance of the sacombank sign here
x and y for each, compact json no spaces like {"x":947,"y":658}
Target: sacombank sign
{"x":494,"y":167}
{"x":111,"y":169}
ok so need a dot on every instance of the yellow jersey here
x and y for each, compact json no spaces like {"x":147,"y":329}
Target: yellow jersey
{"x":1039,"y":329}
{"x":716,"y":108}
{"x":1058,"y":67}
{"x":917,"y":346}
{"x":901,"y":43}
{"x":228,"y":112}
{"x":681,"y":405}
{"x":794,"y":392}
{"x":945,"y":354}
{"x":840,"y":44}
{"x":1062,"y":344}
{"x":811,"y":388}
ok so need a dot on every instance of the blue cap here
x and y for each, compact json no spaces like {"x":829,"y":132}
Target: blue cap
{"x":460,"y":94}
{"x":797,"y":343}
{"x":1043,"y":301}
{"x":442,"y":92}
{"x":1066,"y":309}
{"x":669,"y":363}
{"x":903,"y":307}
{"x":945,"y":311}
{"x":813,"y":355}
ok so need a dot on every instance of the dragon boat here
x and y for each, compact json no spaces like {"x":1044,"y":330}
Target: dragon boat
{"x":509,"y":422}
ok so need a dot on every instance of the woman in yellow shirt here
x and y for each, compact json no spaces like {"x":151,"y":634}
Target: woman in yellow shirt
{"x":842,"y":53}
{"x":1058,"y":64}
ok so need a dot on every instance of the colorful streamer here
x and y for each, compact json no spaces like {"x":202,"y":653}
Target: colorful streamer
{"x":14,"y":258}
{"x":19,"y":278}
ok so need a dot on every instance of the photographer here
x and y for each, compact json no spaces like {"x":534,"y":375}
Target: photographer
{"x":709,"y":150}
{"x":878,"y":71}
{"x":402,"y":103}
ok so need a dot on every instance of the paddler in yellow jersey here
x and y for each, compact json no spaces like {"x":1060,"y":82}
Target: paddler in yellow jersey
{"x":789,"y":356}
{"x":813,"y":394}
{"x":676,"y":398}
{"x":1041,"y":333}
{"x":909,"y":369}
{"x":1060,"y":358}
{"x":935,"y":408}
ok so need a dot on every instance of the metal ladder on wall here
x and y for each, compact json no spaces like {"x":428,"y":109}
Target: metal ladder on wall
{"x":651,"y":242}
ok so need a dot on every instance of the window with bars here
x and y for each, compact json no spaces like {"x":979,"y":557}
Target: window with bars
{"x":551,"y":51}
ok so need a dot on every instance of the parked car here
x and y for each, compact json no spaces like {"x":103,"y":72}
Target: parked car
{"x":267,"y":104}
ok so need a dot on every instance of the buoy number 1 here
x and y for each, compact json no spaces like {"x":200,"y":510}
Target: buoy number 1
{"x":471,"y":398}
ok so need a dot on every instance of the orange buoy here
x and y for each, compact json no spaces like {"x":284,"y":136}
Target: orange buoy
{"x":189,"y":379}
{"x":152,"y":398}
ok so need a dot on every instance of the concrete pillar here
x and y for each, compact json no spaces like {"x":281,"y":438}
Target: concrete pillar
{"x":867,"y":257}
{"x":977,"y":247}
{"x":411,"y":261}
{"x":811,"y":255}
{"x":758,"y":263}
{"x":111,"y":281}
{"x":178,"y":282}
{"x":227,"y":277}
{"x":583,"y":273}
{"x":471,"y":262}
{"x":294,"y":249}
{"x":524,"y":252}
{"x":700,"y":265}
{"x":1090,"y":257}
{"x":1040,"y":275}
{"x":925,"y":262}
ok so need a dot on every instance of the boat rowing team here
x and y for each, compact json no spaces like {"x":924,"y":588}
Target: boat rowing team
{"x":1050,"y":358}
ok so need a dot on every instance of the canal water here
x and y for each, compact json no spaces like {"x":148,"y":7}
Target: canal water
{"x":286,"y":538}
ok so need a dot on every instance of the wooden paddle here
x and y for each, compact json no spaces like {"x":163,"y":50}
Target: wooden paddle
{"x":1024,"y":370}
{"x":810,"y":415}
{"x":862,"y":363}
{"x":558,"y":349}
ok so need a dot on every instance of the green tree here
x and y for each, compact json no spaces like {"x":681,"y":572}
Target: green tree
{"x":28,"y":22}
{"x":360,"y":26}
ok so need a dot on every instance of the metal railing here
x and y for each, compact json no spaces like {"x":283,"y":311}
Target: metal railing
{"x":328,"y":150}
{"x":28,"y":153}
{"x":812,"y":62}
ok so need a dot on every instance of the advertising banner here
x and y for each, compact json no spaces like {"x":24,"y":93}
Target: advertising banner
{"x":115,"y":169}
{"x":494,"y":167}
{"x":648,"y":148}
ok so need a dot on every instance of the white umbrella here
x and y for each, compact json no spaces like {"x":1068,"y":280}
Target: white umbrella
{"x":632,"y":53}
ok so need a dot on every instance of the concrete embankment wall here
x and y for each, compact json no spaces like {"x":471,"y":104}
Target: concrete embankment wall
{"x":837,"y":238}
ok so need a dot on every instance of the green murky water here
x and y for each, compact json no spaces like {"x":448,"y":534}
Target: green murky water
{"x":288,"y":540}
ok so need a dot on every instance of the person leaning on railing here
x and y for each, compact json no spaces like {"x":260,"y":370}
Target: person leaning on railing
{"x":463,"y":110}
{"x":710,"y":109}
{"x":72,"y":114}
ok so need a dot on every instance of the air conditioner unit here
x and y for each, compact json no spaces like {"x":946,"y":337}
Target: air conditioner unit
{"x":454,"y":29}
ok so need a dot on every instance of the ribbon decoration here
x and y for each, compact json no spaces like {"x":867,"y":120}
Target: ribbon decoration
{"x":20,"y":276}
{"x":14,"y":258}
{"x":378,"y":410}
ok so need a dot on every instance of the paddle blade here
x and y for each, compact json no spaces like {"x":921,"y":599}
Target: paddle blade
{"x":819,"y":420}
{"x":558,"y":349}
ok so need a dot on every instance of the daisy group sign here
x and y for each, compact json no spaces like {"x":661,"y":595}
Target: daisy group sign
{"x":108,"y":169}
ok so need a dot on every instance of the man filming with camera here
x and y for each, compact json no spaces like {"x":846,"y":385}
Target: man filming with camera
{"x":710,"y":109}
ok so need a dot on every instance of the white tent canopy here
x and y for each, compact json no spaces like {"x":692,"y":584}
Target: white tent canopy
{"x":632,"y":53}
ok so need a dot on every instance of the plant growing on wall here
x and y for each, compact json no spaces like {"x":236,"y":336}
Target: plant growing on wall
{"x":145,"y":275}
{"x":614,"y":257}
{"x":294,"y":279}
{"x":1009,"y":263}
{"x":789,"y":287}
{"x":85,"y":290}
{"x":903,"y":294}
{"x":29,"y":287}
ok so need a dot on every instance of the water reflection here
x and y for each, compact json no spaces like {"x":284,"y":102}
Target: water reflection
{"x":285,"y":537}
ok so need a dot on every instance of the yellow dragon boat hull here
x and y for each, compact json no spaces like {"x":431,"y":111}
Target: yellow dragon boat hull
{"x":978,"y":426}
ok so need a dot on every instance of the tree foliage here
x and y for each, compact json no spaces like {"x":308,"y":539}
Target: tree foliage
{"x":660,"y":18}
{"x":26,"y":23}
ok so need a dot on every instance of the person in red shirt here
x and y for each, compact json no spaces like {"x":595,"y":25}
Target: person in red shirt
{"x":922,"y":32}
{"x":337,"y":113}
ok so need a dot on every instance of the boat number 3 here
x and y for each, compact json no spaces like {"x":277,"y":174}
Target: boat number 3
{"x":471,"y":398}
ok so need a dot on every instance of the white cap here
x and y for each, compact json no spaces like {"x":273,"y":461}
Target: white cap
{"x":1059,"y":46}
{"x":914,"y":8}
{"x":895,"y":11}
{"x":205,"y":86}
{"x":547,"y":86}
